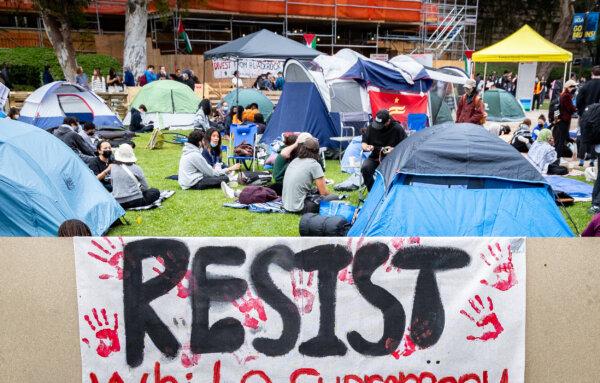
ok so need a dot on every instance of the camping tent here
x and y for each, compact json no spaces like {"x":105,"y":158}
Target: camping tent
{"x":247,"y":96}
{"x":458,"y":180}
{"x":302,"y":109}
{"x":46,"y":184}
{"x":169,"y":103}
{"x":47,"y":107}
{"x":262,"y":44}
{"x":502,"y":106}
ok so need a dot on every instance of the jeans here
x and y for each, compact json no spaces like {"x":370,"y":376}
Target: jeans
{"x":368,"y":172}
{"x":210,"y":182}
{"x":148,"y":197}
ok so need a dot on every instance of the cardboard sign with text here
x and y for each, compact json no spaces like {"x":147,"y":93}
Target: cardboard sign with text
{"x":248,"y":68}
{"x":344,"y":310}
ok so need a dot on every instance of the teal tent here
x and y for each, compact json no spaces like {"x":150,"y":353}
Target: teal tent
{"x":247,"y":97}
{"x":502,"y":106}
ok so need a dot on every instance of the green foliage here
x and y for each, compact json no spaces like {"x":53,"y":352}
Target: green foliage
{"x":27,"y":65}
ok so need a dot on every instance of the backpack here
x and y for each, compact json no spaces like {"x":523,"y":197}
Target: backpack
{"x":142,"y":80}
{"x":590,"y":125}
{"x":257,"y":194}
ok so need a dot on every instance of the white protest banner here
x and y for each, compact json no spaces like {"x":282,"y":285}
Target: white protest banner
{"x":248,"y":68}
{"x":301,"y":310}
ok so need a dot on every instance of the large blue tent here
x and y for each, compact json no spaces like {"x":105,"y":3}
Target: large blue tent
{"x":44,"y":183}
{"x":458,"y":180}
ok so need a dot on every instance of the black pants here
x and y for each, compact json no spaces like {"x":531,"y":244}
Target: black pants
{"x":312,"y":202}
{"x":368,"y":172}
{"x":277,"y":187}
{"x":561,"y":137}
{"x":556,"y":169}
{"x":149,"y":196}
{"x":596,"y":191}
{"x":537,"y":100}
{"x":145,"y":128}
{"x":210,"y":182}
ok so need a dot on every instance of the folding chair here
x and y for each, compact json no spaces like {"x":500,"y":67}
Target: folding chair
{"x":242,"y":134}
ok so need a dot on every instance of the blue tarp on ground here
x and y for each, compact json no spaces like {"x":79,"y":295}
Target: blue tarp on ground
{"x":301,"y":109}
{"x":574,"y":188}
{"x":43,"y":183}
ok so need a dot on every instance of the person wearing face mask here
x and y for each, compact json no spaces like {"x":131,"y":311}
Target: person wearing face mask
{"x":566,"y":111}
{"x":541,"y":124}
{"x":67,"y":133}
{"x":470,"y":107}
{"x":212,"y":149}
{"x":88,"y":133}
{"x":101,"y":166}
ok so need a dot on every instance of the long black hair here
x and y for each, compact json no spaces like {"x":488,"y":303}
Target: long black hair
{"x":305,"y":151}
{"x":207,"y":138}
{"x":205,"y":106}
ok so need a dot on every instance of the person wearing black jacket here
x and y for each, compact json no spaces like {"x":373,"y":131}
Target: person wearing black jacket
{"x":66,"y":133}
{"x":137,"y":122}
{"x":381,"y":137}
{"x":588,"y":94}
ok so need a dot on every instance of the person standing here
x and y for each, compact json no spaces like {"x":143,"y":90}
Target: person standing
{"x":381,"y":137}
{"x":98,"y":82}
{"x":589,"y":94}
{"x":47,"y":76}
{"x":566,"y":111}
{"x":470,"y":107}
{"x":236,"y":81}
{"x":537,"y":94}
{"x":82,"y":79}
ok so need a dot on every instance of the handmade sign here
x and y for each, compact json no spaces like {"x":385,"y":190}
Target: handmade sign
{"x":248,"y":68}
{"x":299,"y":310}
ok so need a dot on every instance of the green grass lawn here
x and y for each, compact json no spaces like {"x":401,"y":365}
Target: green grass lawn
{"x":200,"y":213}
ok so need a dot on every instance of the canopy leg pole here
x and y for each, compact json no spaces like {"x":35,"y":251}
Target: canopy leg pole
{"x":204,"y":78}
{"x":565,"y":76}
{"x":237,"y":82}
{"x":484,"y":80}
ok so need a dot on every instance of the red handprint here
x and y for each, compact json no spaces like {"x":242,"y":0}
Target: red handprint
{"x":503,"y":267}
{"x":485,"y":316}
{"x":104,"y":333}
{"x":408,"y":348}
{"x":188,"y":358}
{"x":182,"y":291}
{"x":249,"y":304}
{"x":303,"y":290}
{"x":398,"y":244}
{"x":112,"y":256}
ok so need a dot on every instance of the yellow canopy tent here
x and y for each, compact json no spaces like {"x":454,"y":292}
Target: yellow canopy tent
{"x":525,"y":45}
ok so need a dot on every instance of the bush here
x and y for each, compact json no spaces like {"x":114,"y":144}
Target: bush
{"x":27,"y":65}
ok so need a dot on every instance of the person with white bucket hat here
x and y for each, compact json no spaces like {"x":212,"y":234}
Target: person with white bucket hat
{"x":130,"y":188}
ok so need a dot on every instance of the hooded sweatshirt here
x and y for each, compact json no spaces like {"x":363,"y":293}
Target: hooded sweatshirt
{"x":73,"y":140}
{"x":193,"y":167}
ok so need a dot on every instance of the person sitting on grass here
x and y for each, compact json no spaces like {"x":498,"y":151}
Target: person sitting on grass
{"x":101,"y":166}
{"x":137,"y":120}
{"x":522,"y":139}
{"x":130,"y":188}
{"x":74,"y":228}
{"x":201,"y":120}
{"x":88,"y":133}
{"x":541,"y":124}
{"x":281,"y":163}
{"x":67,"y":133}
{"x":13,"y":113}
{"x":211,"y":149}
{"x":543,"y":155}
{"x":298,"y":194}
{"x":194,"y":171}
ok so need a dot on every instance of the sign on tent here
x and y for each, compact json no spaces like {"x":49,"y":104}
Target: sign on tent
{"x":298,"y":310}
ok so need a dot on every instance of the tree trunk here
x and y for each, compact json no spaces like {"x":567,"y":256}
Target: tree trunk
{"x":562,"y":33}
{"x":59,"y":34}
{"x":136,"y":25}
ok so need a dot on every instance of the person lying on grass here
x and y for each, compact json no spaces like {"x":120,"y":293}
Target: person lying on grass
{"x":298,"y":194}
{"x":194,"y":171}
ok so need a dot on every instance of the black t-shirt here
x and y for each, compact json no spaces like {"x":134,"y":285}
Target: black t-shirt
{"x":98,"y":166}
{"x":388,"y":136}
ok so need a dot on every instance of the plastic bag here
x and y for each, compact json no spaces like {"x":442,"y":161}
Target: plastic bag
{"x":337,"y":208}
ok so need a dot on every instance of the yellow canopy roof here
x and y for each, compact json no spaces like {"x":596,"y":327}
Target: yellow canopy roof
{"x":525,"y":45}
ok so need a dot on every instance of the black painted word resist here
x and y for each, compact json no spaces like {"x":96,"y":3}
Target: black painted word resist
{"x":227,"y":334}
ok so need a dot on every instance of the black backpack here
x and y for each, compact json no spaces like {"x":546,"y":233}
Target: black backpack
{"x":590,"y":125}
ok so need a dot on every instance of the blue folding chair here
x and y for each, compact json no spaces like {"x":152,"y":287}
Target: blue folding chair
{"x":417,"y":121}
{"x":242,"y":134}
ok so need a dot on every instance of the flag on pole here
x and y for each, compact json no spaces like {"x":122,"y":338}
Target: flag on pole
{"x":311,"y":40}
{"x":400,"y":105}
{"x":468,"y":62}
{"x":184,"y":36}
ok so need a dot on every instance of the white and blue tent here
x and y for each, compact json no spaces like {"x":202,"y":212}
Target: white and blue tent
{"x":322,"y":95}
{"x":47,"y":106}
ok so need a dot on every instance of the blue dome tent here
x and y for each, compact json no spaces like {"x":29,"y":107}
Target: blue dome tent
{"x":458,"y":180}
{"x":44,"y":183}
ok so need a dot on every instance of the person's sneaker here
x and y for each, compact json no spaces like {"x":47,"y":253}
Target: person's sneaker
{"x":595,"y":209}
{"x":229,"y":192}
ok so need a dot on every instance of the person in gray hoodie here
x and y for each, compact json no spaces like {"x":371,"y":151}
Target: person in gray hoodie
{"x":67,"y":133}
{"x":194,"y":170}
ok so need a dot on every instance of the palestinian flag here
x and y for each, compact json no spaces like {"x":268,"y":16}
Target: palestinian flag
{"x":467,"y":58}
{"x":311,"y":40}
{"x":184,"y":36}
